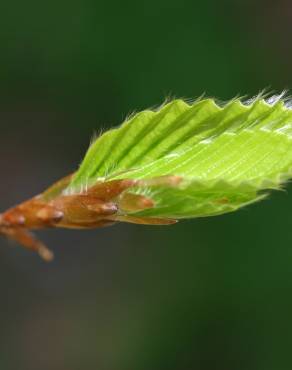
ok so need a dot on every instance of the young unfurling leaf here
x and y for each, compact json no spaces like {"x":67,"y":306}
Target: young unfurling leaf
{"x":180,"y":161}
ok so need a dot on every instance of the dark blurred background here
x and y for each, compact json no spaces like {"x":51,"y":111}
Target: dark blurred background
{"x":205,"y":294}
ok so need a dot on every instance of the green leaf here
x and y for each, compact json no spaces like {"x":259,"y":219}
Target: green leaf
{"x":228,"y":156}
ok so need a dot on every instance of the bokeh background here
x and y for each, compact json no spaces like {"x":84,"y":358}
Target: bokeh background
{"x":205,"y":294}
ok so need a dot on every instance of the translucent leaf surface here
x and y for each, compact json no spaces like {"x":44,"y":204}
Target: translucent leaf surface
{"x":227,"y":156}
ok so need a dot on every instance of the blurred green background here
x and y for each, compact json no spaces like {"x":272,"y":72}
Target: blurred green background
{"x":205,"y":294}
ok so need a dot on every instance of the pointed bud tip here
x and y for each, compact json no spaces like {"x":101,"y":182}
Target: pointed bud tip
{"x":46,"y":254}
